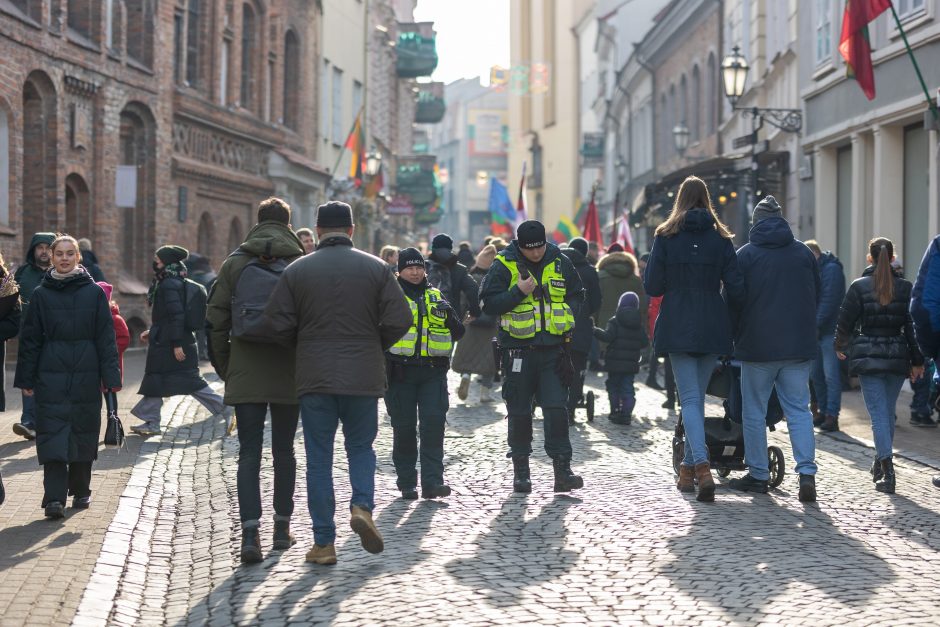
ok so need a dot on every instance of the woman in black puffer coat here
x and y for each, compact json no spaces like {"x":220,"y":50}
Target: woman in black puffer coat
{"x":67,"y":353}
{"x":876,"y":334}
{"x":626,"y":338}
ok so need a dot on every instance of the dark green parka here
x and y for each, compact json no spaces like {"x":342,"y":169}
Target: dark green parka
{"x":253,"y":372}
{"x":67,"y":353}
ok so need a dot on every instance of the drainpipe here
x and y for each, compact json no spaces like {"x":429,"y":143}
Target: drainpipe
{"x":721,"y":51}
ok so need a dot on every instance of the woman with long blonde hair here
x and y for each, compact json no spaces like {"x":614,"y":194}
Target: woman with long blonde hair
{"x":691,"y":259}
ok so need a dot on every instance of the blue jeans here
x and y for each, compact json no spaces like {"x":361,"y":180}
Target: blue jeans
{"x":620,"y":391}
{"x":757,"y":383}
{"x":29,"y":412}
{"x":827,"y":380}
{"x":881,"y":395}
{"x":320,"y":414}
{"x":920,"y":403}
{"x":692,"y":375}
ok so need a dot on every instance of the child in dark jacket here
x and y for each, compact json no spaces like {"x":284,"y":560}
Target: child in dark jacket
{"x":626,"y":338}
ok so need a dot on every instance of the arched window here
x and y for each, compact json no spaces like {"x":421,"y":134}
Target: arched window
{"x":40,"y":162}
{"x":711,"y":84}
{"x":5,"y":165}
{"x":249,"y":99}
{"x":204,"y":235}
{"x":140,"y":25}
{"x":84,"y":18}
{"x":695,"y":111}
{"x":683,"y":113}
{"x":79,"y":221}
{"x":291,"y":80}
{"x":138,"y":149}
{"x":235,"y":234}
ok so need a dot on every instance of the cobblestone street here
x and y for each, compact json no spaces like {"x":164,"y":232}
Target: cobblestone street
{"x":627,"y":549}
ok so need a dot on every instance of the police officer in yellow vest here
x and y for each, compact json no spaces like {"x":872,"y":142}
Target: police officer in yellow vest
{"x":536,"y":292}
{"x":417,"y":389}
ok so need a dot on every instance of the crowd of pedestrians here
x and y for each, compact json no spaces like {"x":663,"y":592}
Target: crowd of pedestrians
{"x":303,"y":327}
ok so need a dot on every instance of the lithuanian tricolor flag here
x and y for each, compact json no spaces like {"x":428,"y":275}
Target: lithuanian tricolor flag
{"x":566,"y":230}
{"x":356,"y":143}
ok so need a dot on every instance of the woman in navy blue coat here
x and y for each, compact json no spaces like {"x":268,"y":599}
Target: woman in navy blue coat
{"x":67,"y":353}
{"x":692,"y":259}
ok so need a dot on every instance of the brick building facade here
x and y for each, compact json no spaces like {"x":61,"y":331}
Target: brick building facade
{"x":135,"y":123}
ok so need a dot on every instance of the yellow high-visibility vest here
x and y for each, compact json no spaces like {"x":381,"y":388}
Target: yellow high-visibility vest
{"x":548,"y":314}
{"x":427,"y":328}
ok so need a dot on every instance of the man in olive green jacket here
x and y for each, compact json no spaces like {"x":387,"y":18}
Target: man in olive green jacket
{"x":257,"y":376}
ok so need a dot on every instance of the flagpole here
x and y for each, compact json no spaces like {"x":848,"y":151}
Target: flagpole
{"x":343,"y":151}
{"x":910,"y":53}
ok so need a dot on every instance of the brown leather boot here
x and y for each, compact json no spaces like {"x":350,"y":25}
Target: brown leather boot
{"x":684,"y":483}
{"x":830,"y":424}
{"x":706,"y":485}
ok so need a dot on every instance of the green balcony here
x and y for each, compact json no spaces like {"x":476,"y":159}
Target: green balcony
{"x":417,"y":50}
{"x":418,"y":183}
{"x":431,"y":106}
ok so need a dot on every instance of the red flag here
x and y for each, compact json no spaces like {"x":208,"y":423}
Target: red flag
{"x":854,"y":45}
{"x":623,"y":233}
{"x":592,"y":226}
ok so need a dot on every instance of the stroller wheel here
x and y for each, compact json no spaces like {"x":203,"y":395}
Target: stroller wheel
{"x":723,"y":472}
{"x":678,"y":452}
{"x":776,"y":465}
{"x":589,"y":404}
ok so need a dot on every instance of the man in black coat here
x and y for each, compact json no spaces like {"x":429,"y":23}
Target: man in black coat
{"x":450,"y":276}
{"x":775,"y":339}
{"x":172,"y":361}
{"x":583,"y":335}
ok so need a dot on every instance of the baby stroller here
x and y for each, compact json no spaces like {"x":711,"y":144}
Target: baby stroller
{"x":724,"y":436}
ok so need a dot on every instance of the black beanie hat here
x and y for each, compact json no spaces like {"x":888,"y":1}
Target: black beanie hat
{"x":531,"y":234}
{"x":334,"y":215}
{"x":171,"y":254}
{"x":409,"y":257}
{"x":579,"y":244}
{"x":442,"y":240}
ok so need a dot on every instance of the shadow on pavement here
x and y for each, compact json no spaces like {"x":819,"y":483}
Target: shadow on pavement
{"x":22,"y":543}
{"x":731,"y":562}
{"x":502,"y":552}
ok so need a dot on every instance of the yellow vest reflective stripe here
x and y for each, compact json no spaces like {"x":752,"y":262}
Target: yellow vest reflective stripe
{"x":549,"y":314}
{"x":427,"y":329}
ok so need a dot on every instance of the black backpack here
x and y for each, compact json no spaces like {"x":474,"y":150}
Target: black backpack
{"x":252,"y":292}
{"x":195,"y":301}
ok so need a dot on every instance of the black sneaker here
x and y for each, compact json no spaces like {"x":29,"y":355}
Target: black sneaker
{"x":435,"y":492}
{"x":936,"y":481}
{"x":81,"y":502}
{"x":24,"y":430}
{"x":747,"y":483}
{"x":807,"y":488}
{"x":55,"y":509}
{"x":410,"y":494}
{"x":922,"y":420}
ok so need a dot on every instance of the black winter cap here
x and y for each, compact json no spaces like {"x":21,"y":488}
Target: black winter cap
{"x":409,"y":257}
{"x":442,"y":240}
{"x":531,"y":234}
{"x":579,"y":244}
{"x":334,"y":215}
{"x":172,"y":254}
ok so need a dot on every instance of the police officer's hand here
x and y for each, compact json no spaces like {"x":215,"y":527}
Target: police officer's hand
{"x":527,"y":285}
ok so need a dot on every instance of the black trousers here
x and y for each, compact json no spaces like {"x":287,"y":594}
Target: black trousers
{"x":417,"y":406}
{"x":250,"y":441}
{"x":61,"y":479}
{"x":536,"y":382}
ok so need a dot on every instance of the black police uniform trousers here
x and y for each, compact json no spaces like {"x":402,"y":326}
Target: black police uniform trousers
{"x":536,"y":381}
{"x":417,"y":404}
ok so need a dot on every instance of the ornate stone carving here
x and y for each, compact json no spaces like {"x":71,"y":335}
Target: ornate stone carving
{"x":216,"y":148}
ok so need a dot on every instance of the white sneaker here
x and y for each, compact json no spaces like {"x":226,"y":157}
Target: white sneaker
{"x":486,"y":395}
{"x":464,"y":388}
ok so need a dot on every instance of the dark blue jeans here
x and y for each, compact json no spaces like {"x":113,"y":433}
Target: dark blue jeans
{"x":420,"y":394}
{"x":251,"y":418}
{"x":29,"y":412}
{"x":826,"y":378}
{"x":321,"y":414}
{"x":920,"y":403}
{"x":620,"y":391}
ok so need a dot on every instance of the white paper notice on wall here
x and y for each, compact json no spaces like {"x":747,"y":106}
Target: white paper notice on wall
{"x":125,"y":186}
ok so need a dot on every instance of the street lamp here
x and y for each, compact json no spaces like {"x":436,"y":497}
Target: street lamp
{"x":373,"y":162}
{"x":680,"y":136}
{"x":734,"y":69}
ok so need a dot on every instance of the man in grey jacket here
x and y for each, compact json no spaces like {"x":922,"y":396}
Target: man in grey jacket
{"x":342,"y":308}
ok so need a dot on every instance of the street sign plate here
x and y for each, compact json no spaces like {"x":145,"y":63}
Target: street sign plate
{"x":744,"y":140}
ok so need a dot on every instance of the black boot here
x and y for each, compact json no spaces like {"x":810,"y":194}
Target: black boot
{"x":251,"y":546}
{"x":521,"y":482}
{"x":565,"y":480}
{"x":670,"y":403}
{"x":876,"y":473}
{"x":283,"y":538}
{"x":886,"y":484}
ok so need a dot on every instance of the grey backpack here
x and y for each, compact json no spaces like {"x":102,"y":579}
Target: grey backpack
{"x":252,"y":292}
